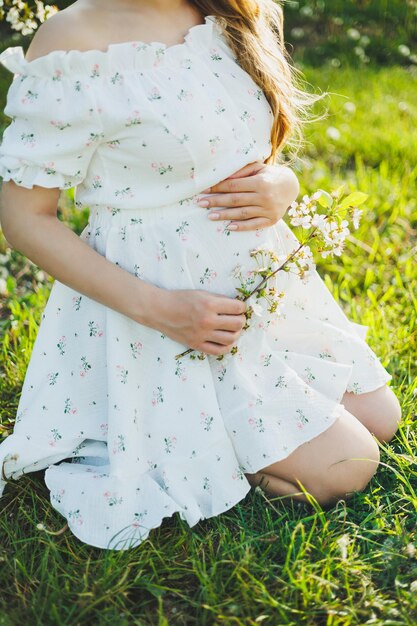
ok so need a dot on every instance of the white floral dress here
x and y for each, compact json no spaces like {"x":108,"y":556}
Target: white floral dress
{"x":129,"y":434}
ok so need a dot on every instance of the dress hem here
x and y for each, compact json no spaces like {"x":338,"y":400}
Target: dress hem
{"x":335,"y":413}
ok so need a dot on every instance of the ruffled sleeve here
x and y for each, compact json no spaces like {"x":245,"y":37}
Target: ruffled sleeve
{"x":56,"y":126}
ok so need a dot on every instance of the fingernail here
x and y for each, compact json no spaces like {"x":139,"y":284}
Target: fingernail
{"x":206,"y":190}
{"x":203,"y":203}
{"x":214,"y":216}
{"x":232,"y":227}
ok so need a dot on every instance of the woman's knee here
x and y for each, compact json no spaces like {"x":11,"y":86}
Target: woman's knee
{"x":333,"y":465}
{"x":379,"y":411}
{"x":390,"y":416}
{"x":351,"y":474}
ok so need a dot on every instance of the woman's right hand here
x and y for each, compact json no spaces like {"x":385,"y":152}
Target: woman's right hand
{"x":204,"y":321}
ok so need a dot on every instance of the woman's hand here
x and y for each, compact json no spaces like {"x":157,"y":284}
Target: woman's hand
{"x":258,"y":196}
{"x":201,"y":320}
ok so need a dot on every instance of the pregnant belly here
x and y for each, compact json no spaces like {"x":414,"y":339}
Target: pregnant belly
{"x":178,"y":247}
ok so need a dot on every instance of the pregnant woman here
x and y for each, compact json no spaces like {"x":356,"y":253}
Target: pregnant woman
{"x":149,"y":106}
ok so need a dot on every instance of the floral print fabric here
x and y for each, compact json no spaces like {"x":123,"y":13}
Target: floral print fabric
{"x":127,"y":433}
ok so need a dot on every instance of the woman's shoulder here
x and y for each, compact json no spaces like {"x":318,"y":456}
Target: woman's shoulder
{"x":60,"y":49}
{"x":64,"y":31}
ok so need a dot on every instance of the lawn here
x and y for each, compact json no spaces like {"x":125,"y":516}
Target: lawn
{"x":268,"y":560}
{"x":352,"y":31}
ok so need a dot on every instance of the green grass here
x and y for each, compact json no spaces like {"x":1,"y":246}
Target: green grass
{"x":268,"y":560}
{"x":352,"y":31}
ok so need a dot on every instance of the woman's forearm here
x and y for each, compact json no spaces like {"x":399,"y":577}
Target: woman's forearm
{"x":55,"y":248}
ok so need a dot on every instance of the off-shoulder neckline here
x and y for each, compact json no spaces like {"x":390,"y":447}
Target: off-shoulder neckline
{"x":112,"y":50}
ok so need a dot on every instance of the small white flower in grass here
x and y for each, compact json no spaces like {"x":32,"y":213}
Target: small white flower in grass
{"x":343,"y":543}
{"x":403,"y":107}
{"x":333,"y":133}
{"x":297,"y":33}
{"x":413,"y":586}
{"x":410,"y":550}
{"x":353,"y":33}
{"x":350,"y":107}
{"x":306,"y":10}
{"x":404,"y":50}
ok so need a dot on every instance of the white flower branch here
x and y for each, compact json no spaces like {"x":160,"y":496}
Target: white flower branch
{"x":329,"y":230}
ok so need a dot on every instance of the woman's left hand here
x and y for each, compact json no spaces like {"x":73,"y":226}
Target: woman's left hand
{"x":256,"y":196}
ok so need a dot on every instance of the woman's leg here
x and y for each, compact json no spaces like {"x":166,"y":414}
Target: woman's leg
{"x":378,"y":410}
{"x":325,"y":465}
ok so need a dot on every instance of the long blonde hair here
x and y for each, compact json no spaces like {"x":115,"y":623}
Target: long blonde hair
{"x":254,"y":32}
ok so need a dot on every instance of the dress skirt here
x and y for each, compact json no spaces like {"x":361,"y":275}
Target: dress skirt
{"x":128,"y":433}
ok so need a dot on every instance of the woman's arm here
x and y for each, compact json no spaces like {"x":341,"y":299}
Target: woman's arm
{"x":198,"y":319}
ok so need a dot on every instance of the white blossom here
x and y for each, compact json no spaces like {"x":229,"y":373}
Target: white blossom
{"x":318,"y":221}
{"x":261,"y":248}
{"x":356,"y":217}
{"x":24,"y":18}
{"x":304,"y":221}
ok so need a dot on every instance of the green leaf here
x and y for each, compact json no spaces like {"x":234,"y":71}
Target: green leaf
{"x":325,"y":199}
{"x":354,"y":199}
{"x":338,"y":192}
